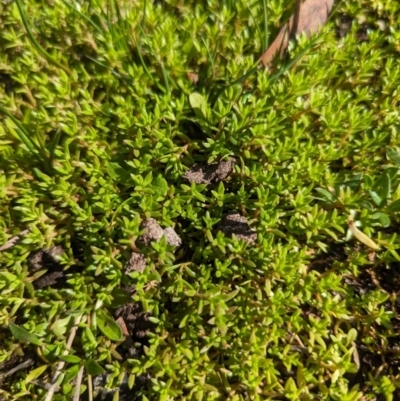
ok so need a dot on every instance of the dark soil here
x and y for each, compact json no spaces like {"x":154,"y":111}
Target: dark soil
{"x":48,"y":259}
{"x":136,"y":320}
{"x":237,"y":225}
{"x":125,"y":393}
{"x":325,"y":261}
{"x":377,"y":356}
{"x":136,"y":326}
{"x":344,"y":26}
{"x":16,"y":364}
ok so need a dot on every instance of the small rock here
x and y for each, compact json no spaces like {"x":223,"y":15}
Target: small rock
{"x":214,"y":172}
{"x":235,"y":224}
{"x":172,"y":237}
{"x":136,"y":263}
{"x":154,"y":232}
{"x":224,"y":169}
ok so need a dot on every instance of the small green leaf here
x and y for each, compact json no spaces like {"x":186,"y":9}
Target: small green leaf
{"x":326,"y":194}
{"x":209,"y":387}
{"x":383,"y":187}
{"x":70,"y":358}
{"x":116,"y":172}
{"x":290,"y":385}
{"x":148,"y":179}
{"x":196,"y":100}
{"x":93,"y":368}
{"x":120,"y":297}
{"x":131,"y":381}
{"x":71,"y":373}
{"x":183,"y":321}
{"x":188,"y":353}
{"x":108,"y":326}
{"x":393,"y":155}
{"x":376,"y":198}
{"x":199,"y":104}
{"x":35,"y":373}
{"x":23,"y":335}
{"x":383,"y":218}
{"x":199,"y":196}
{"x":231,"y":295}
{"x":159,"y":185}
{"x":351,"y":335}
{"x":59,"y":327}
{"x":394,"y":206}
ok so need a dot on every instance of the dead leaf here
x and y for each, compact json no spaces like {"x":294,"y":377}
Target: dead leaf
{"x":122,"y":324}
{"x":356,"y":356}
{"x":309,"y":17}
{"x":372,"y":257}
{"x":193,"y":77}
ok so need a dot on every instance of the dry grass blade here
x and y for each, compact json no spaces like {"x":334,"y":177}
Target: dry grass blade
{"x":309,"y":17}
{"x":24,"y":365}
{"x":13,"y":241}
{"x":78,"y":384}
{"x":61,"y":364}
{"x":35,"y":43}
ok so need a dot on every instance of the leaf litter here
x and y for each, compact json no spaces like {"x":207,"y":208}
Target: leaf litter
{"x":309,"y":17}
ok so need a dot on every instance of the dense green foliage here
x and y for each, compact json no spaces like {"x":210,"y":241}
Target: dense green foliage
{"x":97,"y":127}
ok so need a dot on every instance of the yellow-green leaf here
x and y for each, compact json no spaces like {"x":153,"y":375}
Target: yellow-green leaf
{"x":35,"y":373}
{"x":362,"y":237}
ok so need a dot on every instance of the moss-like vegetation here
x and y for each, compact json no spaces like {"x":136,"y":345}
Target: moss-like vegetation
{"x":113,"y":113}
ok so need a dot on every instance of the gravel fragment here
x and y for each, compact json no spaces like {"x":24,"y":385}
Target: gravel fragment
{"x":235,"y":224}
{"x":172,"y":237}
{"x":206,"y":174}
{"x":136,"y":263}
{"x":154,"y":232}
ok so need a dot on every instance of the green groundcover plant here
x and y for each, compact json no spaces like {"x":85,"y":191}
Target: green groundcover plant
{"x":104,"y":107}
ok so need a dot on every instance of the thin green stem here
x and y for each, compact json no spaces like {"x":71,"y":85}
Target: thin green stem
{"x":266,"y":31}
{"x":91,"y":22}
{"x":22,"y":133}
{"x":35,"y":43}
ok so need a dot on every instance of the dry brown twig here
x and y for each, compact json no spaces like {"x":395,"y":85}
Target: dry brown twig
{"x":13,"y":241}
{"x":78,"y":384}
